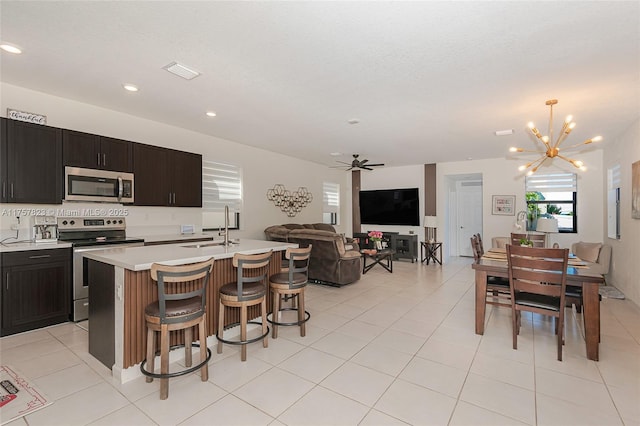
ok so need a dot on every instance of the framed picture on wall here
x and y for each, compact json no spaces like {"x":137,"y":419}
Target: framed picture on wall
{"x":504,"y":205}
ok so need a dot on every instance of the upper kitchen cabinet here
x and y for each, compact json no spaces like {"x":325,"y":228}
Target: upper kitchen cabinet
{"x":96,"y":152}
{"x":31,"y":168}
{"x":166,"y":177}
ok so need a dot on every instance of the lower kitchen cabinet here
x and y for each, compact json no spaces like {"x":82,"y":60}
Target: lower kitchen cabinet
{"x":36,"y":289}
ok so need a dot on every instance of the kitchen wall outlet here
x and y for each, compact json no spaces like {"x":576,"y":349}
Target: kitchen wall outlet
{"x":187,"y":229}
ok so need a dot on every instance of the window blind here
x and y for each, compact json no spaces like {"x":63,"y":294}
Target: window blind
{"x":331,"y":197}
{"x":551,"y":182}
{"x":613,"y":177}
{"x":221,"y":186}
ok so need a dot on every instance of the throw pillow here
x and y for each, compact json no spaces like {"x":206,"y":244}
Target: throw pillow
{"x":588,"y":251}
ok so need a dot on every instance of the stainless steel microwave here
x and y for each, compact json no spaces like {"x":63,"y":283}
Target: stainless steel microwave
{"x":97,"y":185}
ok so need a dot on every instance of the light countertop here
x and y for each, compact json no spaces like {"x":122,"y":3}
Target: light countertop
{"x":8,"y":246}
{"x":176,"y":237}
{"x":141,"y":258}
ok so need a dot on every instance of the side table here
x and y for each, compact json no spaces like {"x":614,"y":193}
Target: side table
{"x":431,"y":251}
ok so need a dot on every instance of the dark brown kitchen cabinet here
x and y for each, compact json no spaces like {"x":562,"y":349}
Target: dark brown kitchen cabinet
{"x":33,"y":163}
{"x":166,"y":177}
{"x":4,"y":185}
{"x":96,"y":152}
{"x":36,"y":289}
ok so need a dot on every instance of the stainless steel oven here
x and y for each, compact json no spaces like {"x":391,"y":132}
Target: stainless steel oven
{"x":90,"y":234}
{"x":97,"y":185}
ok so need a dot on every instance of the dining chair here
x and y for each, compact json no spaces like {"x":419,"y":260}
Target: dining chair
{"x":537,"y":239}
{"x":538,"y":280}
{"x":497,"y":287}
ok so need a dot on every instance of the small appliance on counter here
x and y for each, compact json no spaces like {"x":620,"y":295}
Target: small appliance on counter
{"x":45,"y":229}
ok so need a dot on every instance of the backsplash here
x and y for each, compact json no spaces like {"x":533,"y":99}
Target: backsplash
{"x":140,"y":220}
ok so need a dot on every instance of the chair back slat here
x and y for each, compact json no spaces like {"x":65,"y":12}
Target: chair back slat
{"x":535,"y":270}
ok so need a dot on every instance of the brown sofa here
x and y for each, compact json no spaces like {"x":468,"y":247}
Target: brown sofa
{"x":332,"y":261}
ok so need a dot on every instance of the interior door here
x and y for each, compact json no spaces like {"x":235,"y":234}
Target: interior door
{"x":469,"y":202}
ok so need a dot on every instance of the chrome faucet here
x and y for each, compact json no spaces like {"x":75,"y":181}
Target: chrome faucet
{"x":226,"y":242}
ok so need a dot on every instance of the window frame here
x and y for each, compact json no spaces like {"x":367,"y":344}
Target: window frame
{"x":547,"y":185}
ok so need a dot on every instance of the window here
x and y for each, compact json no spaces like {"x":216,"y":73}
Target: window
{"x":613,"y":202}
{"x":552,"y":195}
{"x":221,"y":186}
{"x":330,"y":203}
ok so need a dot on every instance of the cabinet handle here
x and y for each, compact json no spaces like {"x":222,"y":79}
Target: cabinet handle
{"x":40,"y":256}
{"x":169,"y":198}
{"x":104,"y":159}
{"x":98,"y":158}
{"x":7,"y":285}
{"x":4,"y":189}
{"x":174,"y":198}
{"x":11,"y":190}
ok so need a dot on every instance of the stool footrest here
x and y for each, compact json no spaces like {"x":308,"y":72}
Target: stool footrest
{"x":306,"y":314}
{"x":177,"y":373}
{"x":243,"y":342}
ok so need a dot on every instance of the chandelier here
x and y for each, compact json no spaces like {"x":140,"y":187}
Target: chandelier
{"x":550,"y":149}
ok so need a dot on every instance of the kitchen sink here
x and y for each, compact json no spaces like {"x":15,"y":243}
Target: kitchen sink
{"x":209,"y":244}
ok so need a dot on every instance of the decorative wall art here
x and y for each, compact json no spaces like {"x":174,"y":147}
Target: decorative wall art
{"x":504,"y":205}
{"x":289,"y":202}
{"x":635,"y":190}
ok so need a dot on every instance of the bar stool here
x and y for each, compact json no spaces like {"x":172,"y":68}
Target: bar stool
{"x":290,"y":284}
{"x":248,"y":290}
{"x":181,"y":305}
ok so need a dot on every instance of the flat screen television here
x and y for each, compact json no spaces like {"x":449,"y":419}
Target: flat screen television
{"x":390,"y":207}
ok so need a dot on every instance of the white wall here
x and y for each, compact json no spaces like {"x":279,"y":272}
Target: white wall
{"x":625,"y":265}
{"x":501,"y":177}
{"x":261,"y":169}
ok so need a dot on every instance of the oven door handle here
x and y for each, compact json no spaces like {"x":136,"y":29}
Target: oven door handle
{"x":120,"y":188}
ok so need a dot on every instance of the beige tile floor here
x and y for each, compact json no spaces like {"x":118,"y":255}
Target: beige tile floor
{"x":392,"y":349}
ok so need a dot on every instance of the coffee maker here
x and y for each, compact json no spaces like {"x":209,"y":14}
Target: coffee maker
{"x":45,"y":229}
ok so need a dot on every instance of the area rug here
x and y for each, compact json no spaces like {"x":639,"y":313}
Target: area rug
{"x":18,"y":395}
{"x":610,"y":292}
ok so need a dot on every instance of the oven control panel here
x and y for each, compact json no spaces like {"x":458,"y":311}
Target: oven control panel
{"x":88,"y":224}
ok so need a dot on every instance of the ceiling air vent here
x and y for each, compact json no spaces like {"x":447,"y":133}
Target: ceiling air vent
{"x":181,"y":71}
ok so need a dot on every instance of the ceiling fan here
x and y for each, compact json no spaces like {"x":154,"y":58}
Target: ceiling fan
{"x":359,"y":164}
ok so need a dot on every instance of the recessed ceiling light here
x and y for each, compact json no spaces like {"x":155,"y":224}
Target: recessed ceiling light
{"x":335,"y":154}
{"x":353,"y":121}
{"x":130,"y":87}
{"x":211,"y":114}
{"x":10,"y":48}
{"x":503,"y":132}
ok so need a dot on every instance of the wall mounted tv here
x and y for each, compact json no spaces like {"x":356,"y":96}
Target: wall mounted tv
{"x":390,"y":207}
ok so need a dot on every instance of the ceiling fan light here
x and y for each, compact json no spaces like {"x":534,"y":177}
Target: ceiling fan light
{"x":531,"y":125}
{"x":522,"y":168}
{"x":596,"y":139}
{"x":568,"y":119}
{"x":514,"y":149}
{"x":545,"y":139}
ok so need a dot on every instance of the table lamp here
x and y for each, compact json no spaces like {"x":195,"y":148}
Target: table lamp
{"x":430,"y":225}
{"x":547,"y":225}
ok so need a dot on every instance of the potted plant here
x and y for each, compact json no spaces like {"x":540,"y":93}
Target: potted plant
{"x":525,"y":242}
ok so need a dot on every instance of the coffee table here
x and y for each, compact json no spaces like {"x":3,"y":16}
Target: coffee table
{"x":382,"y":257}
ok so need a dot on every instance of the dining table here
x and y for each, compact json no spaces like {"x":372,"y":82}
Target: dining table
{"x":578,"y":274}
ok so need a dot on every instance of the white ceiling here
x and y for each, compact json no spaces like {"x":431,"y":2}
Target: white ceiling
{"x":429,"y":81}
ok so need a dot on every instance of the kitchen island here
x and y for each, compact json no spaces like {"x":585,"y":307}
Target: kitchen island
{"x":120,"y":286}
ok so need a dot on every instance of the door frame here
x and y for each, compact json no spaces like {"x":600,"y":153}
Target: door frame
{"x":452,"y":227}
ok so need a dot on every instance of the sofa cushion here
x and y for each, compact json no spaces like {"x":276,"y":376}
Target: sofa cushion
{"x":587,"y":251}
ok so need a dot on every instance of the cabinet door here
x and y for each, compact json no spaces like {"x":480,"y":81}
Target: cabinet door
{"x":186,"y":179}
{"x":34,"y":163}
{"x":80,"y":149}
{"x":151,"y":176}
{"x":4,"y":185}
{"x":35,"y":296}
{"x":116,"y":154}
